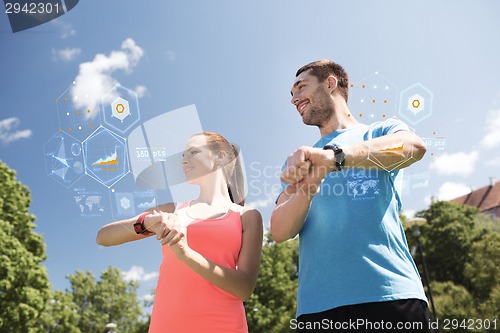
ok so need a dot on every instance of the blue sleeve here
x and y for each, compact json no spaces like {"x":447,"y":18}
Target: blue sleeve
{"x":394,"y":125}
{"x":386,"y":127}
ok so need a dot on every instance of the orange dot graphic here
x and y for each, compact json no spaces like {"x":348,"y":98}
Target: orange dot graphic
{"x":385,"y":101}
{"x":65,"y":98}
{"x":60,"y":129}
{"x":361,"y":115}
{"x":373,"y":100}
{"x":348,"y":114}
{"x":90,"y":126}
{"x":352,"y":85}
{"x":77,"y":112}
{"x":363,"y":86}
{"x":57,"y":100}
{"x":383,"y":116}
{"x":88,"y":111}
{"x":433,"y":132}
{"x":69,"y":128}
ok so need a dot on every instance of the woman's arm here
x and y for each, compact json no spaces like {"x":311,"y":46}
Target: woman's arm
{"x":123,"y":231}
{"x":239,"y":282}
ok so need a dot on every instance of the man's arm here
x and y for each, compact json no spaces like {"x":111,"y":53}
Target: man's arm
{"x":289,"y":215}
{"x":307,"y":167}
{"x":389,"y":152}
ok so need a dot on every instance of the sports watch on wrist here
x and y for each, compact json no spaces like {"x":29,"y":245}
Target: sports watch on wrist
{"x":339,"y":155}
{"x":139,"y":227}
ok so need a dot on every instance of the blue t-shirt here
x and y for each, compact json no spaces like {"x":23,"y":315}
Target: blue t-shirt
{"x":352,"y":246}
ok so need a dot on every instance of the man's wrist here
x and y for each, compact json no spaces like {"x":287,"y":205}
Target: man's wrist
{"x":338,"y":159}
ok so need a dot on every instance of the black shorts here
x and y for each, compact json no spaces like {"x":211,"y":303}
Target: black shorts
{"x":409,"y":315}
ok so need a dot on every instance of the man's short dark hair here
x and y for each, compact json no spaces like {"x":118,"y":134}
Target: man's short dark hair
{"x":323,"y":69}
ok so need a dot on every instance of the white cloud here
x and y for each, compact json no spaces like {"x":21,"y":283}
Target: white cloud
{"x":450,"y":190}
{"x":492,"y":137}
{"x":261,"y":203}
{"x":94,"y":78}
{"x":140,"y":91}
{"x":8,"y":132}
{"x":66,"y":54}
{"x":67,"y":29}
{"x":461,"y":164}
{"x":148,"y":298}
{"x":409,"y":213}
{"x":136,"y":273}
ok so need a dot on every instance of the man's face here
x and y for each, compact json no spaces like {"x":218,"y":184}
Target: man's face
{"x":311,"y":99}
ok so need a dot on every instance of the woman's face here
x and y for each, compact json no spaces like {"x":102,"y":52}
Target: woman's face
{"x":197,"y":161}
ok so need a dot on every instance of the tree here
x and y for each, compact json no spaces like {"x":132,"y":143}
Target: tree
{"x":272,"y":305}
{"x":62,"y":314}
{"x":24,"y":284}
{"x":109,"y":300}
{"x":452,"y":302}
{"x":447,"y":238}
{"x":482,"y":270}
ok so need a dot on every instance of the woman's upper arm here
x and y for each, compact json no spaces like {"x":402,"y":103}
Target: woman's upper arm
{"x":251,"y":247}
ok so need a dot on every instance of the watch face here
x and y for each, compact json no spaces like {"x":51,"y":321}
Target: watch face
{"x":138,"y":227}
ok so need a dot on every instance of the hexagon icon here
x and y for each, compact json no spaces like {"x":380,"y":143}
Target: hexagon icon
{"x":106,"y":158}
{"x":120,"y":108}
{"x":125,"y":203}
{"x":64,"y":159}
{"x":415,"y":103}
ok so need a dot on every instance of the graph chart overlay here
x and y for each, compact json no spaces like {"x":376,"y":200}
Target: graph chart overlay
{"x":106,"y":157}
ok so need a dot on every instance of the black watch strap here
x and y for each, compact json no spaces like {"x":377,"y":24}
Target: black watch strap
{"x":339,"y":156}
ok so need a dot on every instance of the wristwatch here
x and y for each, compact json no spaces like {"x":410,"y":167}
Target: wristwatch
{"x":139,"y":227}
{"x":339,"y":156}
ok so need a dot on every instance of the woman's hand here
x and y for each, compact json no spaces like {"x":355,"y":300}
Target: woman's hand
{"x":174,"y":234}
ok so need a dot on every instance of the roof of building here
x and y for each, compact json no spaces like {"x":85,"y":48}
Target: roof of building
{"x":484,"y":198}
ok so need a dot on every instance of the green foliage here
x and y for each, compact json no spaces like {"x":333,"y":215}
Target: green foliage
{"x":24,"y":285}
{"x":272,"y":304}
{"x":462,"y":251}
{"x":62,"y":315}
{"x":452,"y":301}
{"x":100,"y":302}
{"x":483,"y":267}
{"x":447,"y":238}
{"x":491,"y":308}
{"x":89,"y":305}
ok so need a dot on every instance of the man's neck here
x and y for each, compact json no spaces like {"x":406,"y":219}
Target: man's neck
{"x":340,"y":119}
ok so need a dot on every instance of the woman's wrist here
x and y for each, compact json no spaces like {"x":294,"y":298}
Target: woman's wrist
{"x":150,"y":221}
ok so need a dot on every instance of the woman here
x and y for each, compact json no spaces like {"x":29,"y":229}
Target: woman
{"x":211,"y":245}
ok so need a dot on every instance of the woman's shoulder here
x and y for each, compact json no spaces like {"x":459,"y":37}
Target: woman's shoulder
{"x":250,"y":215}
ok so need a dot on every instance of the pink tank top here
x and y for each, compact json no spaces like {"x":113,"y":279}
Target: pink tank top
{"x":187,"y":303}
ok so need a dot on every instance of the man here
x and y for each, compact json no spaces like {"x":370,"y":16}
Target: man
{"x":355,"y":270}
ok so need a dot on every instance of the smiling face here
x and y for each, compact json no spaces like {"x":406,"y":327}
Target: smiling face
{"x":197,"y":159}
{"x":311,"y":99}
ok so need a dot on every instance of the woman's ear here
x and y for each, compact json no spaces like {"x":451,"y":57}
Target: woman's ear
{"x":221,"y":158}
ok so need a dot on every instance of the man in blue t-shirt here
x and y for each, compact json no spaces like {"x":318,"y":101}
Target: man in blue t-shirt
{"x":355,"y":270}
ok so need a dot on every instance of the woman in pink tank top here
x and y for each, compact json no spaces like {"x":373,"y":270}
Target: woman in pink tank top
{"x":211,"y":245}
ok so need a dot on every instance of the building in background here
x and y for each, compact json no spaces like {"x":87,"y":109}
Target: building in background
{"x":486,"y":199}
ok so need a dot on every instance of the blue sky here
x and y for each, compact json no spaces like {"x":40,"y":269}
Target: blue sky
{"x":236,"y":62}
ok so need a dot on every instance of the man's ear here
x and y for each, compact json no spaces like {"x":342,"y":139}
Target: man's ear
{"x":331,"y":83}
